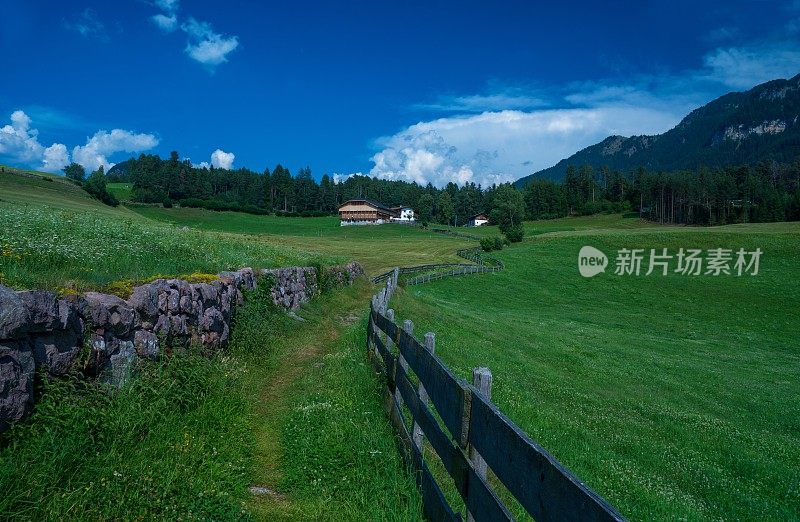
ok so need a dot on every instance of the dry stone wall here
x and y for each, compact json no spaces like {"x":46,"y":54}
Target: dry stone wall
{"x":103,"y":335}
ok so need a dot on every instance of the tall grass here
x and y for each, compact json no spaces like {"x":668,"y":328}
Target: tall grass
{"x":173,"y":443}
{"x":46,"y":247}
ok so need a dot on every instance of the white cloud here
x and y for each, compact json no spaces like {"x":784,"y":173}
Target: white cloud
{"x":495,"y":147}
{"x":222,"y":160}
{"x":103,"y":144}
{"x":18,"y":141}
{"x":164,"y":22}
{"x":206,"y":46}
{"x":55,"y":158}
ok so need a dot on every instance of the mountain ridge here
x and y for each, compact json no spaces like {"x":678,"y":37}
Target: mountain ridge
{"x":760,"y":124}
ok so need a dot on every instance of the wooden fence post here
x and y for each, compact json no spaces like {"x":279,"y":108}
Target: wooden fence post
{"x":408,"y":326}
{"x":482,"y":380}
{"x":416,"y":432}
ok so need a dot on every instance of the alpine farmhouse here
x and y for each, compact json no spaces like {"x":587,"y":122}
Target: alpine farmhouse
{"x":368,"y":212}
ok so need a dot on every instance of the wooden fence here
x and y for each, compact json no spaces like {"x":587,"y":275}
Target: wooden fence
{"x":472,"y":437}
{"x":482,"y":264}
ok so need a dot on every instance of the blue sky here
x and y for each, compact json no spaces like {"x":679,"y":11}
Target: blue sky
{"x":423,"y":91}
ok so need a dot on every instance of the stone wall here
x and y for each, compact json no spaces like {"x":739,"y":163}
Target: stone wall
{"x":103,"y":335}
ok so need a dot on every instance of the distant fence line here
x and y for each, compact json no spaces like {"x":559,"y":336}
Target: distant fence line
{"x":473,"y":435}
{"x":483,"y":264}
{"x":455,"y":234}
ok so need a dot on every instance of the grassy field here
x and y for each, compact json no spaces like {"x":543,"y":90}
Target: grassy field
{"x":674,"y":397}
{"x":378,"y":248}
{"x":122,"y":191}
{"x":54,"y":235}
{"x":298,"y":413}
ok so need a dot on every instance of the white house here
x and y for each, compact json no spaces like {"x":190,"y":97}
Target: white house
{"x":403,"y":214}
{"x":477,"y":220}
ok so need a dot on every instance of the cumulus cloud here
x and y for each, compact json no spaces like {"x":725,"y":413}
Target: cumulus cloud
{"x":205,"y":45}
{"x":55,"y":158}
{"x":222,"y":160}
{"x":496,"y":147}
{"x":18,"y":141}
{"x":166,"y":23}
{"x":104,"y":143}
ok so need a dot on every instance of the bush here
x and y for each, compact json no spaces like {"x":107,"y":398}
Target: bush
{"x":489,"y":244}
{"x":515,"y":234}
{"x":167,"y":203}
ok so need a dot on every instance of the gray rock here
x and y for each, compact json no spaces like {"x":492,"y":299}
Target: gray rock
{"x":212,"y":320}
{"x":162,"y":325}
{"x":17,"y":369}
{"x":144,"y":300}
{"x":146,"y":344}
{"x":120,"y":362}
{"x":42,"y":309}
{"x":57,"y":350}
{"x":13,"y":315}
{"x":110,"y":312}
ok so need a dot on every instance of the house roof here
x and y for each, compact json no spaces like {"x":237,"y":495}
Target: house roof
{"x":368,"y":202}
{"x":479,"y":215}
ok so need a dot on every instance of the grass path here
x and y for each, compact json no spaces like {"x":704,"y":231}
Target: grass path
{"x":322,"y":444}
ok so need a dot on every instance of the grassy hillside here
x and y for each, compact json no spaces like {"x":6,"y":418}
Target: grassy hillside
{"x":674,"y":397}
{"x":30,"y":188}
{"x":54,"y":235}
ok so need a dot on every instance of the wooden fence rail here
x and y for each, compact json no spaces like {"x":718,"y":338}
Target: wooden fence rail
{"x":482,"y":262}
{"x":473,"y":435}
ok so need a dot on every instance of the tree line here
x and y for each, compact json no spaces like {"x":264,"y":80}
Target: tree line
{"x":763,"y":192}
{"x":766,"y":191}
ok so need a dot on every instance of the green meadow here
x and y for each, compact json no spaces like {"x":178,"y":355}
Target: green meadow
{"x":675,"y":397}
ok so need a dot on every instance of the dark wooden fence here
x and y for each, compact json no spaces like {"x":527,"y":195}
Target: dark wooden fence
{"x":473,"y":435}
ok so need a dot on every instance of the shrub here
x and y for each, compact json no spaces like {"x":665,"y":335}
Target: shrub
{"x":515,"y":234}
{"x":167,"y":203}
{"x":489,"y":244}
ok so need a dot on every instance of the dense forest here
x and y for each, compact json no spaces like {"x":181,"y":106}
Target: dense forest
{"x":757,"y":193}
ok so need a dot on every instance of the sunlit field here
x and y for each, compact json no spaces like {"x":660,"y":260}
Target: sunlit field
{"x":674,"y":397}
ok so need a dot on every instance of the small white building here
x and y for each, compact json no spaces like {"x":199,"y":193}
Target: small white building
{"x":477,"y":220}
{"x":403,"y":214}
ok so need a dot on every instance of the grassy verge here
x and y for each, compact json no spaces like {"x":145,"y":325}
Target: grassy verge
{"x":323,"y":444}
{"x":173,"y":444}
{"x":292,"y":406}
{"x":674,"y":397}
